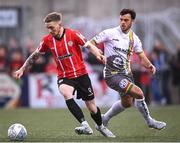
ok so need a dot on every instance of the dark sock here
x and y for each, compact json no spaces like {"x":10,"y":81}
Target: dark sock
{"x":97,"y":117}
{"x":75,"y":110}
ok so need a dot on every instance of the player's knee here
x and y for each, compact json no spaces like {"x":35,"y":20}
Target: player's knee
{"x":91,"y":107}
{"x":126,"y":104}
{"x":140,"y":94}
{"x":66,"y":92}
{"x":137,"y":93}
{"x":66,"y":95}
{"x":93,"y":110}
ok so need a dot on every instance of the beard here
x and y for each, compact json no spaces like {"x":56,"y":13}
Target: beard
{"x":57,"y":36}
{"x":125,"y":29}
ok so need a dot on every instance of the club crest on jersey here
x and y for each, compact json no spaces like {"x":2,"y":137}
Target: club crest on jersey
{"x":70,"y":43}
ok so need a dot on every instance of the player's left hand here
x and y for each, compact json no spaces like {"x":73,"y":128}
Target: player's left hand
{"x":152,"y":69}
{"x":101,"y":58}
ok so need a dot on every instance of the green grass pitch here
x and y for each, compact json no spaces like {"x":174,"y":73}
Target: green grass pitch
{"x":57,"y":125}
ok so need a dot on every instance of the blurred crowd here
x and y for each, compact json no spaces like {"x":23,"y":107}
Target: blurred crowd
{"x":12,"y":57}
{"x":158,"y":89}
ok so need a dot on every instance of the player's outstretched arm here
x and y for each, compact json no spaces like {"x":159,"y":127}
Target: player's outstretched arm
{"x":96,"y":52}
{"x":146,"y":63}
{"x":27,"y":64}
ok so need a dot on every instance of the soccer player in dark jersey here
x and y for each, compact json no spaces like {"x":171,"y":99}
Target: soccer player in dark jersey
{"x":65,"y":45}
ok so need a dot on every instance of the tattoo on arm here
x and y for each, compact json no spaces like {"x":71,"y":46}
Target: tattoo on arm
{"x":31,"y":59}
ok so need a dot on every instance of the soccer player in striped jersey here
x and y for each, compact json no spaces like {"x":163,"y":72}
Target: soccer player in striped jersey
{"x":65,"y":45}
{"x":119,"y":44}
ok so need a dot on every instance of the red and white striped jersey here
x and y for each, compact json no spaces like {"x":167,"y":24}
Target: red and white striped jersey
{"x":66,"y":52}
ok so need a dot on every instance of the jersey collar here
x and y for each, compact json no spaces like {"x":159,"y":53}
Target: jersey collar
{"x":125,"y":34}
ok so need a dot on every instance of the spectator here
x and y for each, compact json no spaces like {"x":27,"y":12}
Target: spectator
{"x":16,"y":60}
{"x":175,"y":66}
{"x":51,"y":66}
{"x":40,"y":65}
{"x":3,"y":58}
{"x":161,"y":79}
{"x":141,"y":77}
{"x":13,"y":43}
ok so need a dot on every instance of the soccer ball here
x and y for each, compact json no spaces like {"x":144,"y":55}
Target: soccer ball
{"x":17,"y":132}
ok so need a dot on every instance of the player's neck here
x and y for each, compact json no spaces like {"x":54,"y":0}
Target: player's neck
{"x":126,"y":31}
{"x":60,"y":35}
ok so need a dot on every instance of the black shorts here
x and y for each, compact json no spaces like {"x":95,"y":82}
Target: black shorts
{"x":81,"y":84}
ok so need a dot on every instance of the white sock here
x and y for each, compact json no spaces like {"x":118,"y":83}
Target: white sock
{"x":115,"y":109}
{"x":143,"y":109}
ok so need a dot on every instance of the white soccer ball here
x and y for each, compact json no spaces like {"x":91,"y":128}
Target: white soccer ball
{"x":17,"y":132}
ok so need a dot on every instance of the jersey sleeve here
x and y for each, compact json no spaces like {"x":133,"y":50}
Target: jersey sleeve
{"x":101,"y":37}
{"x":79,"y":38}
{"x":137,"y":45}
{"x":43,"y":46}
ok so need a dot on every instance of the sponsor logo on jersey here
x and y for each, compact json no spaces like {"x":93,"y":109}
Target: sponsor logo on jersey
{"x":117,"y":49}
{"x":115,"y":39}
{"x":64,"y":56}
{"x":123,"y":83}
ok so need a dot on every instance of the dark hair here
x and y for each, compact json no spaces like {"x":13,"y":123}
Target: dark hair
{"x":128,"y":11}
{"x":54,"y":16}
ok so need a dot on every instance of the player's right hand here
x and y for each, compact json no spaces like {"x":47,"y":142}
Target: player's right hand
{"x":101,"y":57}
{"x":17,"y":74}
{"x":152,"y":69}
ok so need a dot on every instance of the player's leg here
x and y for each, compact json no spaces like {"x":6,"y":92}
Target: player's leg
{"x":121,"y":84}
{"x":118,"y":107}
{"x":67,"y":92}
{"x":140,"y":103}
{"x":96,"y":116}
{"x":94,"y":111}
{"x":85,"y":91}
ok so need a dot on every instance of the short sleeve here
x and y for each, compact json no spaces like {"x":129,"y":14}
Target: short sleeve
{"x":137,"y":45}
{"x":79,"y":38}
{"x":101,"y":37}
{"x":43,"y":46}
